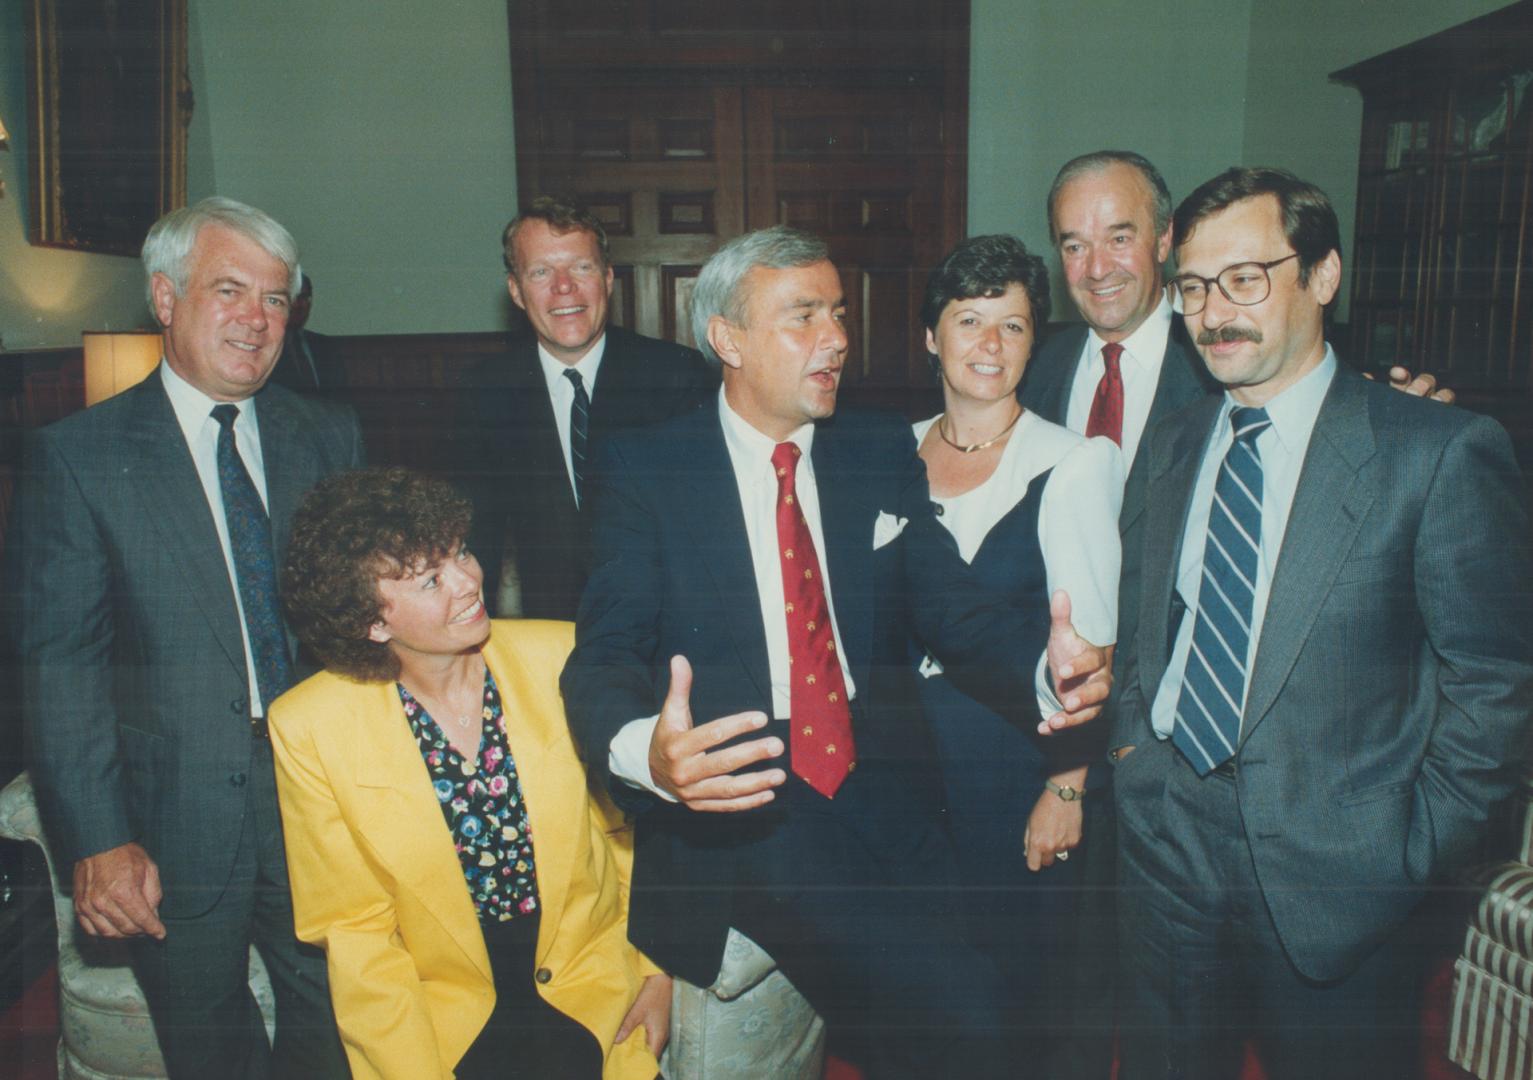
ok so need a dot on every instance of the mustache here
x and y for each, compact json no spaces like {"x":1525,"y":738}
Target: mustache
{"x":1227,"y":334}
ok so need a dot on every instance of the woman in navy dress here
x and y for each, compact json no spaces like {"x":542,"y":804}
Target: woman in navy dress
{"x":1033,"y":507}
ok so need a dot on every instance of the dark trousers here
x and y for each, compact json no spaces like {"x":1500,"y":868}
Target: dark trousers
{"x":1083,"y":979}
{"x":526,"y":1036}
{"x":1203,"y":969}
{"x":197,"y":979}
{"x":874,"y":941}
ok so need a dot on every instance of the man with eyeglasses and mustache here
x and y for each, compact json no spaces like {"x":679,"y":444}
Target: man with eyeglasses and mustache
{"x":1128,"y":365}
{"x":1332,"y":671}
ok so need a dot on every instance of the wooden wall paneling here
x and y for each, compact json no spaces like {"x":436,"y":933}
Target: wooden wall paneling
{"x":690,"y":122}
{"x":862,"y":168}
{"x":666,"y":162}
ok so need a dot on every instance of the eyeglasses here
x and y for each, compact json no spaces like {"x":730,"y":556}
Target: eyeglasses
{"x":1244,"y":283}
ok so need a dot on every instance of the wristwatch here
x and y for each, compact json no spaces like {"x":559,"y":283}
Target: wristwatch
{"x":1066,"y":793}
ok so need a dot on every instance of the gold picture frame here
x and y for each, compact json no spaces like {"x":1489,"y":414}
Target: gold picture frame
{"x":110,"y":101}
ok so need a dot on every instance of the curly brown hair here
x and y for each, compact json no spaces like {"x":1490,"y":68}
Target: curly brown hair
{"x":352,"y":529}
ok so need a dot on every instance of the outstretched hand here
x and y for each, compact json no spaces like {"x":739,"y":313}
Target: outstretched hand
{"x":683,"y":760}
{"x":1082,"y":672}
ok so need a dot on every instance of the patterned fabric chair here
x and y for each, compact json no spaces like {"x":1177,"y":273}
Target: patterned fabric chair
{"x":104,"y":1023}
{"x":1491,"y":1028}
{"x":750,"y":1023}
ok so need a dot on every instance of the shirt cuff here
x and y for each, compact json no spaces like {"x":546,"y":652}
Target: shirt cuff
{"x":1048,"y":701}
{"x":628,"y":756}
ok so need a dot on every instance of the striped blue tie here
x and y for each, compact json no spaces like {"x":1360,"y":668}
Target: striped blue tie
{"x":580,"y":428}
{"x":1213,"y":687}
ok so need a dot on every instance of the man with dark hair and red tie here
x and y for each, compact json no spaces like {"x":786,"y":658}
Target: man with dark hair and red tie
{"x":760,"y":568}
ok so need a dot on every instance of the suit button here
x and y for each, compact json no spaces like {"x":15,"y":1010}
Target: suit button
{"x":240,"y":706}
{"x":237,"y":780}
{"x":544,"y":976}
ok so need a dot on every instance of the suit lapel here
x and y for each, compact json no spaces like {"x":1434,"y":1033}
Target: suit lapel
{"x":1053,"y":374}
{"x":1329,"y":506}
{"x":285,"y":484}
{"x":613,"y":379}
{"x":1178,"y":386}
{"x":1183,"y":380}
{"x":166,"y":477}
{"x":1172,"y":476}
{"x":846,"y":519}
{"x":705,"y":485}
{"x":400,"y":815}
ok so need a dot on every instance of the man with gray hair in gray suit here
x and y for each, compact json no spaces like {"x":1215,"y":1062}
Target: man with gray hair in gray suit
{"x":1331,"y":676}
{"x":153,"y":643}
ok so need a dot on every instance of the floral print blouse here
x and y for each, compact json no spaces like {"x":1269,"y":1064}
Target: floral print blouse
{"x":486,"y":814}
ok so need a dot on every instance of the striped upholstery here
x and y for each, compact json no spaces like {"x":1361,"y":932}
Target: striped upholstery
{"x":1492,"y":1018}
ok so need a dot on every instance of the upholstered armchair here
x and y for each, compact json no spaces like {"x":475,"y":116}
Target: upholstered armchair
{"x":749,"y":1024}
{"x":105,"y":1031}
{"x":1491,"y":1029}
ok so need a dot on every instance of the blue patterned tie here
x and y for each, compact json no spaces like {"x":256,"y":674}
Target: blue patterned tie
{"x":1213,"y":687}
{"x":255,"y":570}
{"x":580,"y":427}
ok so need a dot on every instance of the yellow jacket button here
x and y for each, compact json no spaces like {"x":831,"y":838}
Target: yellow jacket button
{"x":544,"y":976}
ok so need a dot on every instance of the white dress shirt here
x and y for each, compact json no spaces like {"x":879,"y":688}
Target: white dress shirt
{"x":1144,"y":351}
{"x":750,"y":455}
{"x":561,"y":392}
{"x":194,"y":413}
{"x":1077,"y":523}
{"x":1282,"y":447}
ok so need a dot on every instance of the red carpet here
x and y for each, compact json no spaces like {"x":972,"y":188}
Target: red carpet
{"x":29,"y":1031}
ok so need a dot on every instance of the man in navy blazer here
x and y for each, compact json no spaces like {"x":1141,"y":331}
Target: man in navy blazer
{"x":690,"y":672}
{"x":519,"y":457}
{"x":1110,"y":222}
{"x":1331,"y":675}
{"x":151,"y":650}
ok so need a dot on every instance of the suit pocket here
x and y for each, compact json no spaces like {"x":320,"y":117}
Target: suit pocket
{"x":1368,"y":568}
{"x":142,"y":754}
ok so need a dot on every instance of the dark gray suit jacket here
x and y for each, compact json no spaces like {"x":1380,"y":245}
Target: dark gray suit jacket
{"x":510,"y":461}
{"x":1184,"y":379}
{"x":1393,"y":681}
{"x":135,"y":684}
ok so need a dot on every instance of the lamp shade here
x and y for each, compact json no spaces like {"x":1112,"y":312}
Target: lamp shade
{"x":116,"y":361}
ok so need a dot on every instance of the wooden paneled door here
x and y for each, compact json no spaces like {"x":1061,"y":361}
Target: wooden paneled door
{"x":681,"y":141}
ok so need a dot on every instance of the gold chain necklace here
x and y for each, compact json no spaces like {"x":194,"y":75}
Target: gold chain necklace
{"x":976,"y":447}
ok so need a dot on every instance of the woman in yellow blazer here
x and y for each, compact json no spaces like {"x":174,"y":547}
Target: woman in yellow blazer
{"x":444,"y":850}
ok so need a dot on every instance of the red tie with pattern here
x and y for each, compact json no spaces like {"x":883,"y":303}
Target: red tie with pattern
{"x":821,"y":743}
{"x":1106,"y":416}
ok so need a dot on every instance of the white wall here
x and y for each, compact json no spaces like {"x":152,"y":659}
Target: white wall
{"x":380,"y":134}
{"x":1050,"y":81}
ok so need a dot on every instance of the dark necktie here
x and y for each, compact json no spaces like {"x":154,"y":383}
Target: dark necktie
{"x":1207,"y":728}
{"x":255,"y":570}
{"x":1106,"y":416}
{"x":580,"y":430}
{"x":821,"y":721}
